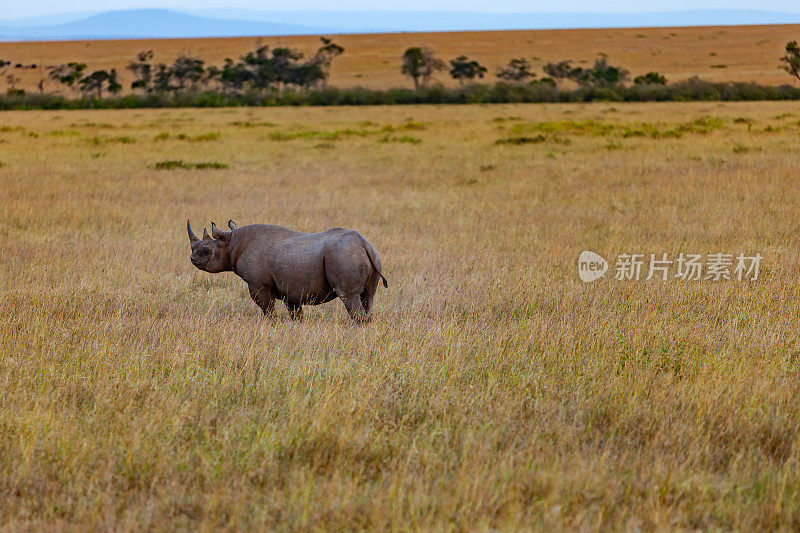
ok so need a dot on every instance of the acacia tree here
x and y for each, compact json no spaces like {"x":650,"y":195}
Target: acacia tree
{"x":563,"y":70}
{"x":518,"y":69}
{"x":792,"y":59}
{"x":651,"y":78}
{"x":68,"y":74}
{"x":3,"y":65}
{"x":463,"y":69}
{"x":419,"y":64}
{"x":264,"y":68}
{"x":284,"y":62}
{"x":142,"y":71}
{"x":162,"y":78}
{"x":603,"y":74}
{"x":324,"y":58}
{"x":12,"y":82}
{"x":99,"y":80}
{"x":307,"y":74}
{"x":258,"y":68}
{"x":187,"y":70}
{"x":113,"y":84}
{"x":212,"y":74}
{"x":234,"y":76}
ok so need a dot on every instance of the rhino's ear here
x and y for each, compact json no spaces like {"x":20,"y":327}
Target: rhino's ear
{"x":219,"y":234}
{"x":232,"y":224}
{"x":192,"y":237}
{"x":206,"y":237}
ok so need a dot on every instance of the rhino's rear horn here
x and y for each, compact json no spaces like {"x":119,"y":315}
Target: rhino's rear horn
{"x":192,"y":237}
{"x":218,"y":233}
{"x":205,"y":235}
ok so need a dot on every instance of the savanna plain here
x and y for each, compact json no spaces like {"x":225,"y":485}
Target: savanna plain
{"x":492,"y":390}
{"x":714,"y":53}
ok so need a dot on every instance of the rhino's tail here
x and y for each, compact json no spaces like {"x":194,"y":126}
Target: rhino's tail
{"x":370,"y":254}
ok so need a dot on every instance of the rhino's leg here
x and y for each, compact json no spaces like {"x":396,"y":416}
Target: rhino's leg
{"x":295,"y":311}
{"x":355,"y":308}
{"x":369,"y":293}
{"x":347,"y":270}
{"x":262,"y":296}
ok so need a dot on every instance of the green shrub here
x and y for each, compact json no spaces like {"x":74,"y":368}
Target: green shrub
{"x":212,"y":164}
{"x":522,"y":140}
{"x":207,"y":137}
{"x":172,"y":164}
{"x":545,"y":90}
{"x":651,"y":78}
{"x":401,"y":139}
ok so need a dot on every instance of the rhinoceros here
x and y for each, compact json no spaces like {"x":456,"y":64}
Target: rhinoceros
{"x":298,"y":268}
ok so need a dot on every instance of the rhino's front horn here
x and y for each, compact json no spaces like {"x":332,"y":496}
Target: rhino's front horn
{"x":192,"y":237}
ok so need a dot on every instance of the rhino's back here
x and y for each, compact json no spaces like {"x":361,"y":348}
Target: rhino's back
{"x":298,"y":266}
{"x":297,"y":245}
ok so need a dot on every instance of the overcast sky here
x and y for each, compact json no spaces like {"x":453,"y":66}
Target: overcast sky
{"x":12,"y":9}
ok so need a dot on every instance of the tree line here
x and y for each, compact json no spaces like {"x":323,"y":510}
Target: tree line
{"x":420,"y":64}
{"x":261,"y":74}
{"x":262,"y":68}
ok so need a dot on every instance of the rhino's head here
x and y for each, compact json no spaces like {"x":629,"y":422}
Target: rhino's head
{"x":211,"y":252}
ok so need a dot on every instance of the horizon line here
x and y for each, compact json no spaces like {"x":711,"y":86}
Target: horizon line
{"x":90,"y":12}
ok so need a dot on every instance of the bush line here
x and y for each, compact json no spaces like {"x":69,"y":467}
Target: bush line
{"x":690,"y":90}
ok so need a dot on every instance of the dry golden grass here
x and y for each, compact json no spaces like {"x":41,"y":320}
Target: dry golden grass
{"x":748,"y":53}
{"x":492,"y":390}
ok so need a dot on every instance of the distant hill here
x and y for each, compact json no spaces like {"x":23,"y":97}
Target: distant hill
{"x":151,"y":23}
{"x":47,"y":20}
{"x":397,"y":21}
{"x":154,"y":23}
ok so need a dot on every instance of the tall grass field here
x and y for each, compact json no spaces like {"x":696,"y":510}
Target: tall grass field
{"x":493,"y":389}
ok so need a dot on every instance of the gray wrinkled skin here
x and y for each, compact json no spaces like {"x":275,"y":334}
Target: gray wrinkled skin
{"x":298,"y":268}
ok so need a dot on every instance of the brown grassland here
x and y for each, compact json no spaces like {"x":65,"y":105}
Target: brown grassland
{"x":492,"y":390}
{"x":715,"y":53}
